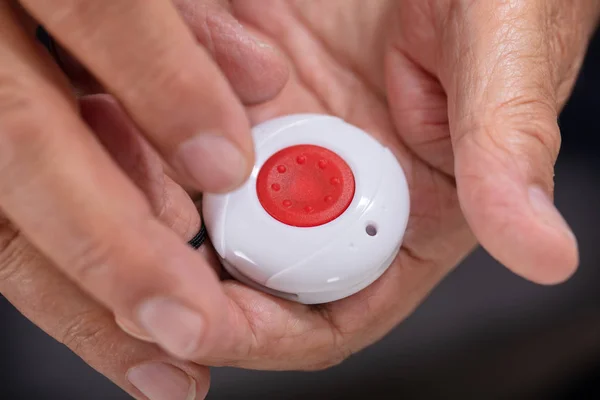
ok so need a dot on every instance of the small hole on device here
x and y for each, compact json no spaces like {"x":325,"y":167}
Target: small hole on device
{"x":371,"y":230}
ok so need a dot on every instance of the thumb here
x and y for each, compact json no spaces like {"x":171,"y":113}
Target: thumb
{"x":503,"y":112}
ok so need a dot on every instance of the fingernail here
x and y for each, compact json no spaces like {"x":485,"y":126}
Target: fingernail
{"x":160,"y":381}
{"x":132,"y":330}
{"x":547,"y":211}
{"x":213,"y":162}
{"x":173,"y":326}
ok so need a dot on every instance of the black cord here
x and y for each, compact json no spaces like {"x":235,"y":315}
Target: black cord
{"x":200,"y":237}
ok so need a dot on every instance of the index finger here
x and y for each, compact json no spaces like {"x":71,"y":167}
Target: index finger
{"x":145,"y":55}
{"x":71,"y":201}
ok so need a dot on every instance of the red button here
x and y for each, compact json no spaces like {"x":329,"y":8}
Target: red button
{"x":305,"y":186}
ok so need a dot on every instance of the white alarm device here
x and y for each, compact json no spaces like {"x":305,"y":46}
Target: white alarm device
{"x":322,"y":215}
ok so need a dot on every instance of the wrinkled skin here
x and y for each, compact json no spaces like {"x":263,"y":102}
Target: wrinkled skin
{"x":451,"y":91}
{"x":465,"y":93}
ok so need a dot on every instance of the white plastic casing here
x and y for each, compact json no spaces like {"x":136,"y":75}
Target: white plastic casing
{"x":316,"y":264}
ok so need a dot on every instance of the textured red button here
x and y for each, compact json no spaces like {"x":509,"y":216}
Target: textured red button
{"x":305,"y":186}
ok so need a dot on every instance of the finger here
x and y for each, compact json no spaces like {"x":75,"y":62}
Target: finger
{"x":67,"y":314}
{"x":256,"y":71}
{"x":167,"y":83}
{"x":127,"y":147}
{"x":503,"y":110}
{"x":93,"y":223}
{"x":133,"y":329}
{"x":419,"y":109}
{"x":212,"y":259}
{"x":254,"y":68}
{"x":81,"y":80}
{"x":169,"y":201}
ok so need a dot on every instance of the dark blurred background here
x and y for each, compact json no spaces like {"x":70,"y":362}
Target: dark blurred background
{"x":483,"y":334}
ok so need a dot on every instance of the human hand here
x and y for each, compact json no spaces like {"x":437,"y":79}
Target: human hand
{"x":75,"y":223}
{"x":346,"y":63}
{"x":466,"y":94}
{"x":57,"y":305}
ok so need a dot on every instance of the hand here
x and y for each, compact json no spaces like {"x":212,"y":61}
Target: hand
{"x":344,"y":64}
{"x":84,"y":237}
{"x":467,"y":95}
{"x":58,"y":306}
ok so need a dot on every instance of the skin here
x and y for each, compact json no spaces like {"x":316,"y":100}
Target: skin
{"x":465,"y":93}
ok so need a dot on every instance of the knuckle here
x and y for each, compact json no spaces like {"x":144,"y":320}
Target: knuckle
{"x":544,"y":136}
{"x":21,"y":125}
{"x":519,"y":126}
{"x":109,"y":263}
{"x":533,"y":121}
{"x":170,"y":76}
{"x":84,"y":330}
{"x":174,"y":75}
{"x":12,"y":251}
{"x":20,"y":112}
{"x":91,"y":259}
{"x":15,"y":96}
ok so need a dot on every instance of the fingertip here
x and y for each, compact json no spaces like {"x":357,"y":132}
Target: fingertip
{"x":256,"y":69}
{"x":160,"y":380}
{"x":522,"y":230}
{"x":213,"y":163}
{"x":561,"y":253}
{"x":553,"y":258}
{"x":258,"y":74}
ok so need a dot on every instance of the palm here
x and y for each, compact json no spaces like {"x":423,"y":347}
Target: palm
{"x":341,"y":71}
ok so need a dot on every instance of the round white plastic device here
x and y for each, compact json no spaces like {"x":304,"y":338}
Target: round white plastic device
{"x":322,"y":215}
